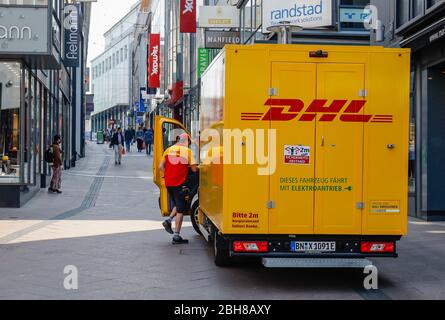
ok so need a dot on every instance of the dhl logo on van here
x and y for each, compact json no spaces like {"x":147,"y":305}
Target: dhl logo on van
{"x":337,"y":109}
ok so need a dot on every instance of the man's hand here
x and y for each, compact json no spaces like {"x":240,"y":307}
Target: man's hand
{"x":162,"y":166}
{"x":194,"y":168}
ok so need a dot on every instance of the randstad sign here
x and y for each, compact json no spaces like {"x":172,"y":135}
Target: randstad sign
{"x":304,"y":13}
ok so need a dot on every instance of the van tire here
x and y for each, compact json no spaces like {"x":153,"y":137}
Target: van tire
{"x":194,"y":212}
{"x":222,"y":255}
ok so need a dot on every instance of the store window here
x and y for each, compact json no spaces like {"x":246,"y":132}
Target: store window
{"x":10,"y":76}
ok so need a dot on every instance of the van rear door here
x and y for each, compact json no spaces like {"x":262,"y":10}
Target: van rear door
{"x":292,"y":209}
{"x":339,"y":149}
{"x":317,"y":187}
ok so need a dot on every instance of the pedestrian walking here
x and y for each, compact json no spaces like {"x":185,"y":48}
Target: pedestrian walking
{"x":56,"y":180}
{"x":140,"y":139}
{"x":117,"y":142}
{"x":128,"y":139}
{"x":175,"y":164}
{"x":148,"y":141}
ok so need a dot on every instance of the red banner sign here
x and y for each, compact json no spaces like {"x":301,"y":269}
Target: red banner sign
{"x":188,"y":16}
{"x":154,"y":61}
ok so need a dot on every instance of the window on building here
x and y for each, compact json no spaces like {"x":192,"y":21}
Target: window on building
{"x":431,"y":3}
{"x":417,"y":8}
{"x":122,"y":54}
{"x":402,"y":12}
{"x":126,"y":53}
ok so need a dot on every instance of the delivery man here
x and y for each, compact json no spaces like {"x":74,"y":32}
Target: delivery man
{"x":175,"y":164}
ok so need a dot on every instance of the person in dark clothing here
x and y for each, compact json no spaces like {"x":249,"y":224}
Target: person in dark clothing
{"x":117,"y":142}
{"x":56,"y":179}
{"x":140,"y":139}
{"x":128,"y":139}
{"x":148,"y":141}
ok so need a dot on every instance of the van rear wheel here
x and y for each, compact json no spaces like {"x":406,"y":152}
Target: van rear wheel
{"x":222,"y":254}
{"x":194,"y":217}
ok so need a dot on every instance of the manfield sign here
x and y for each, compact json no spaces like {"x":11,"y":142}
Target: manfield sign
{"x":304,"y":13}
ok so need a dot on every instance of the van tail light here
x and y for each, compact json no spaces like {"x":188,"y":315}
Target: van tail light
{"x":378,"y":247}
{"x":250,"y":246}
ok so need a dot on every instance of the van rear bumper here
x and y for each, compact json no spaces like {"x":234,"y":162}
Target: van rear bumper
{"x":316,"y":263}
{"x":279,"y":246}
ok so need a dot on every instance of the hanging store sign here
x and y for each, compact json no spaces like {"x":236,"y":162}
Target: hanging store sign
{"x":308,"y":14}
{"x":354,"y":15}
{"x":203,"y":61}
{"x":219,"y":17}
{"x":218,"y":39}
{"x":24,"y":30}
{"x":154,"y":61}
{"x":141,"y":105}
{"x":188,"y":16}
{"x":72,"y":36}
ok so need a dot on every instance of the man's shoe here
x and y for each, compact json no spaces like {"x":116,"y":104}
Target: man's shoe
{"x":58,"y":191}
{"x":51,"y":190}
{"x":167,"y":224}
{"x":115,"y":163}
{"x":178,"y":240}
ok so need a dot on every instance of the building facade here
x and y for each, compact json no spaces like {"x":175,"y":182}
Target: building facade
{"x":42,"y":67}
{"x":111,"y":75}
{"x":178,"y":96}
{"x":420,"y":26}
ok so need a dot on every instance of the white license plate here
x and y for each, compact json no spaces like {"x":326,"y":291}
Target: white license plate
{"x":312,"y":246}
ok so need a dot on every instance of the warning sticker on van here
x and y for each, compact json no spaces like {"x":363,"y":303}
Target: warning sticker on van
{"x":297,"y":154}
{"x":385,"y":206}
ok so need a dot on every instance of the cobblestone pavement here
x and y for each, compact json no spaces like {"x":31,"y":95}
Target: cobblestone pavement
{"x":107,"y":224}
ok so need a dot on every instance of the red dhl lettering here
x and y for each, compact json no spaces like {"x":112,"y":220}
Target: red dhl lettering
{"x":292,"y":109}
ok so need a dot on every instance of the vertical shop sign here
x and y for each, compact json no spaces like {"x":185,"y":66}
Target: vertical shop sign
{"x":154,"y":52}
{"x":203,"y":61}
{"x":188,"y":16}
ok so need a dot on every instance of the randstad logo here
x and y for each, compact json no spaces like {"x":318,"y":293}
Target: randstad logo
{"x":298,"y":11}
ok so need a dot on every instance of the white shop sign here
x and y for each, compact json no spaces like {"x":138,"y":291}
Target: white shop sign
{"x":304,"y":13}
{"x":24,"y":30}
{"x":219,"y":17}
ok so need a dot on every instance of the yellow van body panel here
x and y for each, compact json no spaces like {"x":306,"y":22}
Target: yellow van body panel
{"x":336,"y":128}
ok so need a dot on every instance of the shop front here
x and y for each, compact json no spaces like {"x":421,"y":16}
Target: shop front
{"x":25,"y":131}
{"x":427,"y":142}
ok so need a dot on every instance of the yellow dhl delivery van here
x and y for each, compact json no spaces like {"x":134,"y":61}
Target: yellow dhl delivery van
{"x":303,"y":154}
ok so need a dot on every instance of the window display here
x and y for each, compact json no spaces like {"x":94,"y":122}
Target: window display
{"x":9,"y":122}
